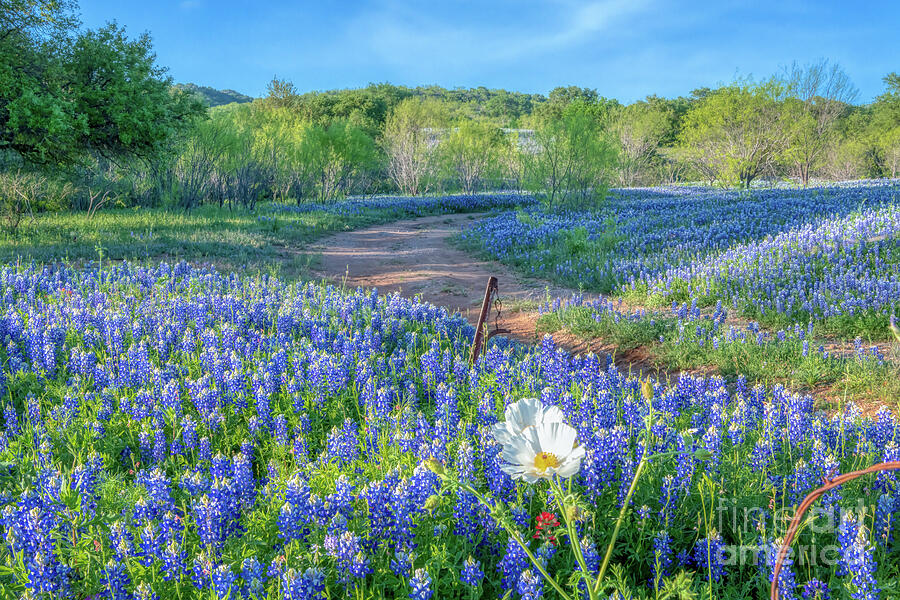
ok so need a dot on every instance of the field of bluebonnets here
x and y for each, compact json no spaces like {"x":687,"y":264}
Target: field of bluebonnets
{"x":782,"y":256}
{"x":173,"y":431}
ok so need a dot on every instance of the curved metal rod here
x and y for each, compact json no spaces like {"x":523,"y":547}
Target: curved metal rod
{"x":810,"y":499}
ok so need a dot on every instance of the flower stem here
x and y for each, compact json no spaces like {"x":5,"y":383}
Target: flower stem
{"x":615,"y":533}
{"x":573,"y":538}
{"x":515,"y":535}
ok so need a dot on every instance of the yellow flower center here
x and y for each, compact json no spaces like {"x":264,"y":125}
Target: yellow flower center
{"x":545,"y":460}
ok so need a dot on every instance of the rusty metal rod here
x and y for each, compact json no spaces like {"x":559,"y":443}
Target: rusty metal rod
{"x":485,"y":306}
{"x":810,"y":499}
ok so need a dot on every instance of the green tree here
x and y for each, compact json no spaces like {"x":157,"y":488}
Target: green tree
{"x":36,"y":121}
{"x":640,"y":129}
{"x":411,"y":134}
{"x":124,"y":102}
{"x":190,"y":181}
{"x":281,"y":93}
{"x":889,"y":144}
{"x":736,"y":133}
{"x":471,"y":152}
{"x":572,"y":158}
{"x":885,"y":126}
{"x":817,"y":95}
{"x":342,"y":151}
{"x":65,"y":94}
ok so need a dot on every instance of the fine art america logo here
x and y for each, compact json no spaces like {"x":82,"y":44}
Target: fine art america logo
{"x":820,"y":527}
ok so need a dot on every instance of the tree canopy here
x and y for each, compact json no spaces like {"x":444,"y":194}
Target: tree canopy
{"x":66,"y":93}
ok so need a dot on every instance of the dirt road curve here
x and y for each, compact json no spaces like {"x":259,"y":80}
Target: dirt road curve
{"x":415,"y":257}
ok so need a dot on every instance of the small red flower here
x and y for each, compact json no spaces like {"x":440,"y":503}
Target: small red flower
{"x":546,"y":524}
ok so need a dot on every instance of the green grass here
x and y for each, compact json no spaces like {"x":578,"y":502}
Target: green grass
{"x":625,"y":333}
{"x":263,"y":240}
{"x":773,"y":361}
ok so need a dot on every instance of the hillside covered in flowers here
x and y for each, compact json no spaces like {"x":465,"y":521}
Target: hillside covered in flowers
{"x":175,"y":432}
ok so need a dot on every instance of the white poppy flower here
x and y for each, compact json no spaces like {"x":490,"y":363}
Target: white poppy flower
{"x":522,"y":415}
{"x":542,"y":451}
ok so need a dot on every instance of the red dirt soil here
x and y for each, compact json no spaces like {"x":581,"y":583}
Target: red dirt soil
{"x":416,"y":258}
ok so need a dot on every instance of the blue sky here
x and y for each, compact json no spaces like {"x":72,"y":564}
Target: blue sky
{"x":625,"y":49}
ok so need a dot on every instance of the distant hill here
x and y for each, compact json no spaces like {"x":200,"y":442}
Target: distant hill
{"x":212,"y":96}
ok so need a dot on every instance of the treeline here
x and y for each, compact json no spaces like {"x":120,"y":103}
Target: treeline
{"x":803,"y":124}
{"x":88,"y":119}
{"x":211,"y":96}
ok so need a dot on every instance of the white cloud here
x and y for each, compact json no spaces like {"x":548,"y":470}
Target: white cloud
{"x":398,"y":36}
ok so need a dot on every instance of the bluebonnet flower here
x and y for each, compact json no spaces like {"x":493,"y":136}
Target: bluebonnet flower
{"x":402,"y":563}
{"x":281,"y":430}
{"x":544,"y":553}
{"x":466,"y":505}
{"x":520,"y":516}
{"x":84,"y":480}
{"x":471,"y":573}
{"x":115,"y":580}
{"x":47,"y":575}
{"x":189,"y":433}
{"x":590,"y":554}
{"x":159,"y":446}
{"x":11,"y":420}
{"x":787,"y":580}
{"x":253,"y":574}
{"x":244,"y":483}
{"x":144,"y":592}
{"x":662,"y":557}
{"x":349,"y":558}
{"x":308,"y":585}
{"x":220,"y":467}
{"x":512,"y":564}
{"x":883,"y":525}
{"x":122,"y":541}
{"x":223,"y":582}
{"x":708,"y":555}
{"x":856,"y":558}
{"x":174,"y":561}
{"x":204,"y":451}
{"x":530,"y":585}
{"x":816,"y":589}
{"x":420,"y":586}
{"x":150,"y":544}
{"x":342,"y":499}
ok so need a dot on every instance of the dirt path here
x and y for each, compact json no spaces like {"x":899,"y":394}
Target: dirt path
{"x":415,"y":257}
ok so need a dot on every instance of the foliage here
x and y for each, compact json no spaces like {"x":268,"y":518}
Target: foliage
{"x":411,"y":135}
{"x":285,"y":453}
{"x":211,"y":96}
{"x":640,"y":129}
{"x":572,"y":160}
{"x":736,"y":133}
{"x":65,"y":94}
{"x":817,"y":95}
{"x":469,"y":154}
